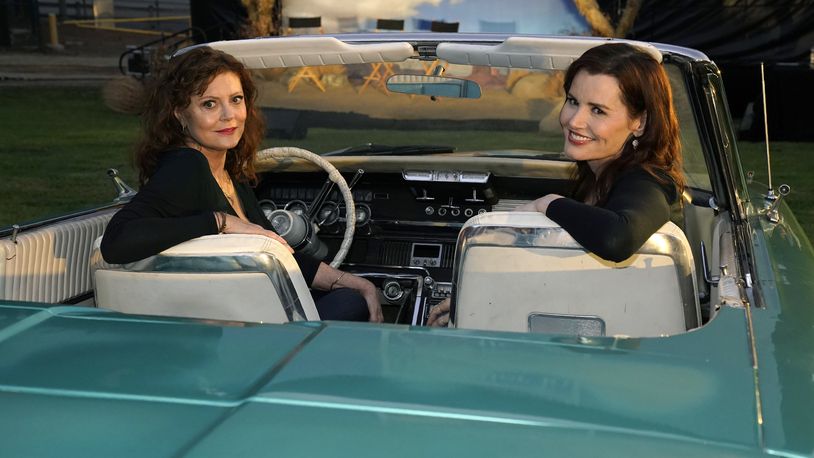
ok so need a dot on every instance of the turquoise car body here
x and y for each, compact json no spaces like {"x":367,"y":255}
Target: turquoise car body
{"x":85,"y":382}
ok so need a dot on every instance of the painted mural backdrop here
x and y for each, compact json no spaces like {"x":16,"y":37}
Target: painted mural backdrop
{"x":521,"y":16}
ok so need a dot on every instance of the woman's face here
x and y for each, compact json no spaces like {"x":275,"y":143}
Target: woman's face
{"x":595,"y":122}
{"x":215,"y":119}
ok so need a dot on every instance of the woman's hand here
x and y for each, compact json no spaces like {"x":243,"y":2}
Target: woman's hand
{"x":328,"y":278}
{"x":371,"y":296}
{"x":235,"y":225}
{"x":539,"y":205}
{"x":439,"y":315}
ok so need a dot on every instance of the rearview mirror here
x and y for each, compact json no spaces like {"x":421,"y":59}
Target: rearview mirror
{"x":434,"y":86}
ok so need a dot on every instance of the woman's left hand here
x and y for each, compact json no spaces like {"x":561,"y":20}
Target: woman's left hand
{"x":371,"y":295}
{"x":328,"y":278}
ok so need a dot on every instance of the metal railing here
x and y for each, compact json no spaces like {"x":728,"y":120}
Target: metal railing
{"x":110,"y":24}
{"x":140,"y":60}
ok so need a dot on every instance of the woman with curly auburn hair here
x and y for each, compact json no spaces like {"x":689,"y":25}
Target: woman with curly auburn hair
{"x":195,"y":159}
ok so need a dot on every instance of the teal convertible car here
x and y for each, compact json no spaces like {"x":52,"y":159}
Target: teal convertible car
{"x":400,"y":158}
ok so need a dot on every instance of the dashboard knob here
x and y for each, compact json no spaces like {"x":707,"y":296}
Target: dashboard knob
{"x":392,"y":290}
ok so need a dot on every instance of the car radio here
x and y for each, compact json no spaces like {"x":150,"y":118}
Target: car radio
{"x":425,"y":255}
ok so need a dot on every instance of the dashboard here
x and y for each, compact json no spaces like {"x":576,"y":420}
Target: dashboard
{"x":407,"y":223}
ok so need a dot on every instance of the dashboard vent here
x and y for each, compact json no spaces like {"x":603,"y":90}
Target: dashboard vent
{"x":447,"y":255}
{"x":395,"y":253}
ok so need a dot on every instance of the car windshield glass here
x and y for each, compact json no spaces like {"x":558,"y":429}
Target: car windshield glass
{"x":341,"y":110}
{"x":337,"y":108}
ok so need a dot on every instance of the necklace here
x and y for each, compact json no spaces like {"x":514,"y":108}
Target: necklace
{"x":227,"y":188}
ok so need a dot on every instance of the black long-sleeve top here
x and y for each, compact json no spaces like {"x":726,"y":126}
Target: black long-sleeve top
{"x":176,"y":205}
{"x":636,"y":207}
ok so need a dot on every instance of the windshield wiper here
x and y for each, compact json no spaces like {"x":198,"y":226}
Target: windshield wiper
{"x":373,"y":149}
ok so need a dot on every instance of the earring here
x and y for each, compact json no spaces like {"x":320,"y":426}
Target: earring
{"x":635,"y":143}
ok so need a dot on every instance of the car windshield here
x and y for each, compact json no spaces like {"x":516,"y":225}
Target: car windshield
{"x":336,"y":108}
{"x":349,"y":110}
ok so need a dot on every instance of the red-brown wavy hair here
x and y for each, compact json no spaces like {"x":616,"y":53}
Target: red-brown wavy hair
{"x":645,"y":88}
{"x":184,"y":76}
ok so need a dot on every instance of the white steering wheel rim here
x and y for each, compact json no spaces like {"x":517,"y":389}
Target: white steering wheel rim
{"x":282,"y":152}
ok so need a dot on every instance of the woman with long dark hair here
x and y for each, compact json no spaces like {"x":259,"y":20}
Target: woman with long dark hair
{"x":620,"y":126}
{"x":201,"y":130}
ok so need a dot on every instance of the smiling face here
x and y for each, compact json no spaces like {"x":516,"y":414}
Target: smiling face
{"x":215,"y":120}
{"x":595,"y":122}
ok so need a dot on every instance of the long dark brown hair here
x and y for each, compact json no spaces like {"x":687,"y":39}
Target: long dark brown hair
{"x":184,"y":76}
{"x":646,"y":89}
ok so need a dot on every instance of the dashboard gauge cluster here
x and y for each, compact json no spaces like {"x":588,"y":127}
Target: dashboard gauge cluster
{"x":330,"y":213}
{"x":388,"y":201}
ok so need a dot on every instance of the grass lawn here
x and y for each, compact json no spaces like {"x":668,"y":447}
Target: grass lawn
{"x":788,"y":166}
{"x":57,"y":145}
{"x":59,"y":142}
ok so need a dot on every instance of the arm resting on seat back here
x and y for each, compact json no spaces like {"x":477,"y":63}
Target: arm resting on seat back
{"x":636,"y":208}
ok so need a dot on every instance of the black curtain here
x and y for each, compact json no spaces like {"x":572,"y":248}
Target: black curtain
{"x":732,"y":32}
{"x":5,"y":26}
{"x":217,"y":19}
{"x":738,"y":35}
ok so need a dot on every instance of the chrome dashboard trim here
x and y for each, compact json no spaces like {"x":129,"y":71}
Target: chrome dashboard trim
{"x":391,"y":222}
{"x":446,"y":176}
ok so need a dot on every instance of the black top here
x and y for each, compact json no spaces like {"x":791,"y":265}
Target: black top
{"x":177,"y":205}
{"x":636,"y":207}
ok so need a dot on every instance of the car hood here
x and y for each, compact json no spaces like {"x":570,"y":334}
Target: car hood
{"x":91,"y":382}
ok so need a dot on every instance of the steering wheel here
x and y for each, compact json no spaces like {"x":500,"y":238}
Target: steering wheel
{"x":285,"y":152}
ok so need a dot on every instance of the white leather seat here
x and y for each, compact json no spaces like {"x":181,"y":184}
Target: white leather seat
{"x":520,"y":271}
{"x":232,"y":277}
